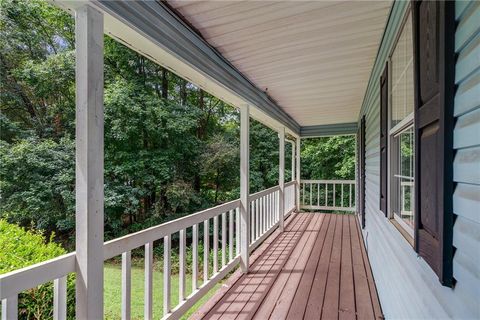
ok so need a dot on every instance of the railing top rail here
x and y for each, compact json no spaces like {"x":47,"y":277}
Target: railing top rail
{"x":262,"y":193}
{"x":16,"y":281}
{"x":329,"y":181}
{"x":290,"y":183}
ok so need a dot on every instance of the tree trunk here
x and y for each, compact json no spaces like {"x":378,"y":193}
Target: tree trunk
{"x":201,"y":123}
{"x":217,"y":186}
{"x":183,"y":92}
{"x":164,"y":83}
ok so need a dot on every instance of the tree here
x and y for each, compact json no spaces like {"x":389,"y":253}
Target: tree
{"x":220,"y":156}
{"x":328,"y":158}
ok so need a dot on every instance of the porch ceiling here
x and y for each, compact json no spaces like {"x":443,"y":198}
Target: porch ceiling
{"x":312,"y":57}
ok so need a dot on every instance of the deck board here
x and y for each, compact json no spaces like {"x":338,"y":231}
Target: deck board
{"x":317,"y":268}
{"x":299,"y":304}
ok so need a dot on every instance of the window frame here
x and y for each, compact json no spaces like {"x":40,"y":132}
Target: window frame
{"x":409,"y":121}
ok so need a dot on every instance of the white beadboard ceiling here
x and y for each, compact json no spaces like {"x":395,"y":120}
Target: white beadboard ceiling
{"x":313,"y":57}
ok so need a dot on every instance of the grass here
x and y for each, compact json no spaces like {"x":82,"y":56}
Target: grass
{"x":113,"y":292}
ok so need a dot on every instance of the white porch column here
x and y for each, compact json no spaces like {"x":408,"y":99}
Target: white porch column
{"x":89,"y":163}
{"x":297,"y":175}
{"x":293,"y":160}
{"x":281,"y":177}
{"x":244,"y":186}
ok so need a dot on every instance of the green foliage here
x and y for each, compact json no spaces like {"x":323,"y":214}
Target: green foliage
{"x":328,"y":158}
{"x":264,"y":157}
{"x":21,"y":248}
{"x":38,"y":182}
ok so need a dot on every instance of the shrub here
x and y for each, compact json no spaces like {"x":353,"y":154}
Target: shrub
{"x":22,"y":248}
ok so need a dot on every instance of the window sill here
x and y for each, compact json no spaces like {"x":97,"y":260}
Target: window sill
{"x":402,"y":231}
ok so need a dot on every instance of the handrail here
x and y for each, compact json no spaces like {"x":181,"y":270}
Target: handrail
{"x":264,"y":220}
{"x":290,"y":183}
{"x":328,"y":181}
{"x":16,"y":281}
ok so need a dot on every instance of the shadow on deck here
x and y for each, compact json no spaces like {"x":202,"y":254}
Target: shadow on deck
{"x":316,"y":269}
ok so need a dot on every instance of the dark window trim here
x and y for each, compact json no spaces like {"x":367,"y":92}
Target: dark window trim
{"x":447,"y":91}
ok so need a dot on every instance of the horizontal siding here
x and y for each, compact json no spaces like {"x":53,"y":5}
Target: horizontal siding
{"x":407,"y":286}
{"x":466,"y":199}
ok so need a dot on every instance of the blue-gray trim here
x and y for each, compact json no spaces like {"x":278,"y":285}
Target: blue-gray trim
{"x":162,"y":26}
{"x":328,"y":130}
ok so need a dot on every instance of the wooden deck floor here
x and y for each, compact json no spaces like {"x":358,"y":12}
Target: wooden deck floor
{"x":316,"y":269}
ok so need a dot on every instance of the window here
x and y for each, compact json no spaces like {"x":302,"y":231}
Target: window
{"x":416,"y":133}
{"x":401,"y":131}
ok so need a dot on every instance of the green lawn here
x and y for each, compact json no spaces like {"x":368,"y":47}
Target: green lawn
{"x":113,"y":292}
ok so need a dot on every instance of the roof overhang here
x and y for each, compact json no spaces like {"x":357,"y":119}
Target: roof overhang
{"x":313,"y":57}
{"x":327,"y":130}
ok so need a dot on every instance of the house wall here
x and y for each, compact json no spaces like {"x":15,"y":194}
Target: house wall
{"x":407,"y":286}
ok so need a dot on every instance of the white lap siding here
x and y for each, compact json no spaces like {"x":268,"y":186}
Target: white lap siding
{"x":407,"y":286}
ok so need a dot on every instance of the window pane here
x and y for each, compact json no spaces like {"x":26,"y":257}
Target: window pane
{"x":403,"y":177}
{"x":402,"y":76}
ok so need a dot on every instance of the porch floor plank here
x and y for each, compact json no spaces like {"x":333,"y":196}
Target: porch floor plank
{"x":317,"y":268}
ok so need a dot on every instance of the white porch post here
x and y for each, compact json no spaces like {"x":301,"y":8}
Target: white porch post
{"x":89,"y":163}
{"x":281,"y":178}
{"x":297,"y":175}
{"x":293,"y":160}
{"x":244,"y":186}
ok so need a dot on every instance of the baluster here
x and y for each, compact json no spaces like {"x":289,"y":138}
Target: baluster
{"x":350,"y":195}
{"x":303,"y":193}
{"x":311,"y":191}
{"x":255,"y":220}
{"x":194,"y":257}
{"x":215,"y":244}
{"x":181,"y":271}
{"x":224,"y":239}
{"x":275,"y":206}
{"x":253,"y":231}
{"x":60,"y":298}
{"x":263,"y":217}
{"x":272,"y":207}
{"x":252,"y":221}
{"x":206,"y":249}
{"x":318,"y":194}
{"x":341,"y":204}
{"x":326,"y":194}
{"x":268,"y":209}
{"x":334,"y":203}
{"x":10,"y":308}
{"x":276,"y":198}
{"x":237,"y":231}
{"x":230,"y":236}
{"x":167,"y":246}
{"x":148,"y":294}
{"x":126,"y":284}
{"x":277,"y":201}
{"x":259,"y":218}
{"x":267,"y":215}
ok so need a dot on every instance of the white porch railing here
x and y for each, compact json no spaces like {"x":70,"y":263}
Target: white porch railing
{"x":225,"y":235}
{"x":337,"y":195}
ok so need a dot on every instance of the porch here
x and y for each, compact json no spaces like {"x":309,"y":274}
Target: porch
{"x":308,"y":264}
{"x":316,"y":269}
